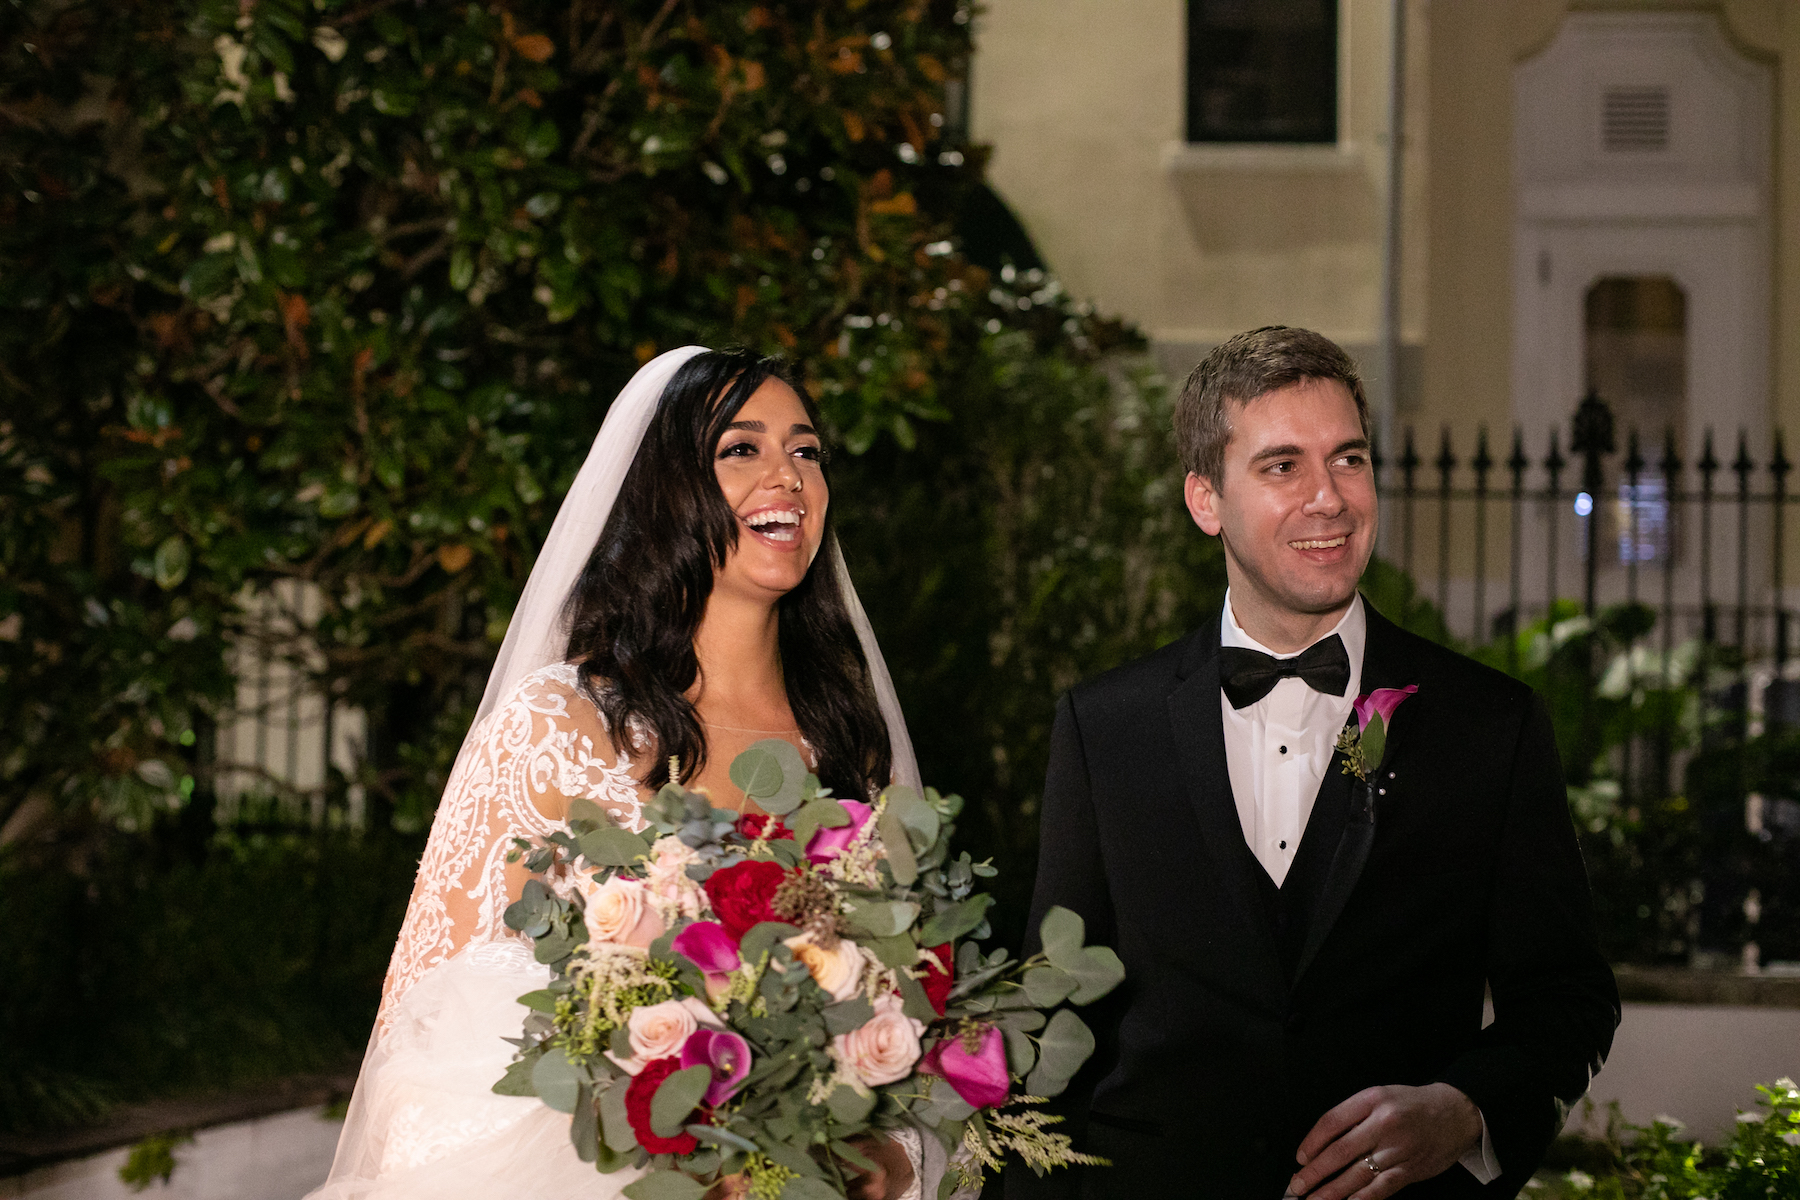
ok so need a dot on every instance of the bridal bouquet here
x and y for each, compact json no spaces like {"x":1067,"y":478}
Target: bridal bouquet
{"x":750,"y":996}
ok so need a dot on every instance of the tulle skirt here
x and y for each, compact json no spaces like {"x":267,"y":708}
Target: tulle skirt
{"x":425,"y":1123}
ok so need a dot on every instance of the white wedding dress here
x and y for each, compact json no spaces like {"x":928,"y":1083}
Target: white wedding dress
{"x":424,"y":1123}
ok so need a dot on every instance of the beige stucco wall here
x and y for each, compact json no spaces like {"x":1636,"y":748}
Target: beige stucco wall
{"x":1082,"y":101}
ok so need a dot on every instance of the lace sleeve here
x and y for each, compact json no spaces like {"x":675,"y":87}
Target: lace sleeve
{"x":513,"y":778}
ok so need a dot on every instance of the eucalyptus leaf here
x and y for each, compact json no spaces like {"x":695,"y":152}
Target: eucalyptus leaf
{"x":852,"y":1155}
{"x":807,"y":1188}
{"x":1021,"y":1051}
{"x":665,"y":1185}
{"x":824,"y":812}
{"x":897,"y":951}
{"x":1049,"y":986}
{"x":611,"y":846}
{"x":1062,"y":934}
{"x":555,"y":1081}
{"x":722,"y":1137}
{"x":543,"y":1000}
{"x":848,"y":1105}
{"x":584,"y":1127}
{"x":899,"y":848}
{"x":615,"y":1125}
{"x":771,"y":773}
{"x":1064,"y":1045}
{"x":678,"y":1096}
{"x":847,"y":1015}
{"x":1098,"y":973}
{"x":517,"y":1079}
{"x":918,"y":818}
{"x":913,"y":1000}
{"x":882,"y":918}
{"x":583,"y":809}
{"x":948,"y":924}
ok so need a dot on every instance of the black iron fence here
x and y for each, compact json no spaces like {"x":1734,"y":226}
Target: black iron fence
{"x":1640,"y":586}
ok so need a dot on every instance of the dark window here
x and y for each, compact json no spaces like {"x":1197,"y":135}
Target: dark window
{"x":1262,"y":71}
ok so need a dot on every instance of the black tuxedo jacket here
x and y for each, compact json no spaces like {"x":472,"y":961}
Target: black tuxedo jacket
{"x":1249,"y":1010}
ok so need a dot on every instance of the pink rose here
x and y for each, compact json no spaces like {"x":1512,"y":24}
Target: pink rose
{"x":828,"y":843}
{"x":979,"y":1078}
{"x":618,"y":912}
{"x":660,"y":1030}
{"x":1383,"y":701}
{"x":882,"y":1049}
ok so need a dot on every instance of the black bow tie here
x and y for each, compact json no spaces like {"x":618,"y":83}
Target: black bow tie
{"x":1249,"y":675}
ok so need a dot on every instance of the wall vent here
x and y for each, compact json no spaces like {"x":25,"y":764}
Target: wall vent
{"x":1635,"y":119}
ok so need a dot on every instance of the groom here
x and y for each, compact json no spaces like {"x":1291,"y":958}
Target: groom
{"x":1306,"y":957}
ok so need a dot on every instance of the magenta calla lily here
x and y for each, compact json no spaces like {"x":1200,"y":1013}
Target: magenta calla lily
{"x":708,"y":946}
{"x":828,"y":843}
{"x":726,"y":1054}
{"x":979,"y":1078}
{"x":1383,"y":701}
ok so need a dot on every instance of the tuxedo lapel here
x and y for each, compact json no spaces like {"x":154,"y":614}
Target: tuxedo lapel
{"x":1200,"y":745}
{"x":1379,"y":671}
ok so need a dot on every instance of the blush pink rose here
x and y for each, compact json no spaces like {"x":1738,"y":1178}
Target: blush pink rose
{"x":882,"y":1049}
{"x":618,"y":912}
{"x":661,"y":1030}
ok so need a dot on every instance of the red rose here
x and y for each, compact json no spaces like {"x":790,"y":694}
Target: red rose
{"x":759,"y":825}
{"x":741,"y":895}
{"x":937,"y":982}
{"x":637,"y":1108}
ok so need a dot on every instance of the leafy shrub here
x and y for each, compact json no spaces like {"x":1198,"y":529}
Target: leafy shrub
{"x":1761,"y":1160}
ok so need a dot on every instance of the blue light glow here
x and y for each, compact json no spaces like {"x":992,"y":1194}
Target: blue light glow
{"x":1584,"y":504}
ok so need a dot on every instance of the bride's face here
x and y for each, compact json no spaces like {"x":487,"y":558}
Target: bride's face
{"x":768,"y":464}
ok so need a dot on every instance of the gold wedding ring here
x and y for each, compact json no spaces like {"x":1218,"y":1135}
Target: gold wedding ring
{"x":1369,"y":1162}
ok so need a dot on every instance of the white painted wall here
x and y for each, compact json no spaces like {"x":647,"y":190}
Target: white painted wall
{"x":1698,"y":1063}
{"x":272,"y":1158}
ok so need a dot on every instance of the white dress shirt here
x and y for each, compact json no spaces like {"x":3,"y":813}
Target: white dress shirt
{"x":1277,"y":751}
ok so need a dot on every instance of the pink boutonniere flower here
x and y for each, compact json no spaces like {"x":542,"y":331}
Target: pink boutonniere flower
{"x":1364,"y":746}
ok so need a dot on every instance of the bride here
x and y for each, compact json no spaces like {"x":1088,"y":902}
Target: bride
{"x":675,"y":616}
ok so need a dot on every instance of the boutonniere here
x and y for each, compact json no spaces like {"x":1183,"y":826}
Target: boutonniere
{"x":1365,"y":743}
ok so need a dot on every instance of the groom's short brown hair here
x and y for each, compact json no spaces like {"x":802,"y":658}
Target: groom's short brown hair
{"x":1243,"y":368}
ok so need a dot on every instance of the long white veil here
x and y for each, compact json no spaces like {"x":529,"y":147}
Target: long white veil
{"x":538,"y":634}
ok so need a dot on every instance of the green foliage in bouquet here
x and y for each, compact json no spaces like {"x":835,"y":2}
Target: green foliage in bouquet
{"x":752,"y":995}
{"x":1762,"y":1158}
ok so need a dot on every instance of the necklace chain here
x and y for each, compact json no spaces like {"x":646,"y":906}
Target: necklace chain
{"x":740,"y":729}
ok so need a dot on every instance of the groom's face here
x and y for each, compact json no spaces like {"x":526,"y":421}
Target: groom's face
{"x":1295,"y":501}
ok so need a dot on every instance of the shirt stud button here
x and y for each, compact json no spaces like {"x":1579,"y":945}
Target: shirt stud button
{"x":1283,"y":845}
{"x":1284,"y":749}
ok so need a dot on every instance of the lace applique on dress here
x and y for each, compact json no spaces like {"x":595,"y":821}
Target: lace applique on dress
{"x":545,"y":738}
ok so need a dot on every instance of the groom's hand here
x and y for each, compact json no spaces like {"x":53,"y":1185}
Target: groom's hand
{"x":1407,"y":1133}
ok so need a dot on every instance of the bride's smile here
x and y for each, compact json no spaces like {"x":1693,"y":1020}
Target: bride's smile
{"x":769,"y":469}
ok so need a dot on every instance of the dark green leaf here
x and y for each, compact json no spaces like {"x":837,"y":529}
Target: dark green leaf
{"x":1062,"y":933}
{"x":1064,"y":1045}
{"x":543,"y":1000}
{"x":615,"y":1126}
{"x":948,"y":924}
{"x":1049,"y":986}
{"x":899,"y":849}
{"x":1098,"y":973}
{"x":555,"y":1081}
{"x":848,"y":1105}
{"x":612,"y":847}
{"x":665,"y":1185}
{"x":847,"y":1015}
{"x":678,"y":1096}
{"x":517,"y":1080}
{"x":584,"y":1127}
{"x":816,"y":813}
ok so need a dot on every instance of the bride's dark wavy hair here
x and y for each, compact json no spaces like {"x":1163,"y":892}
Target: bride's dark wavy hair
{"x":635,"y":611}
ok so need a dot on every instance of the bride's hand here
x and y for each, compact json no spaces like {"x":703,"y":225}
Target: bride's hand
{"x":893,"y":1172}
